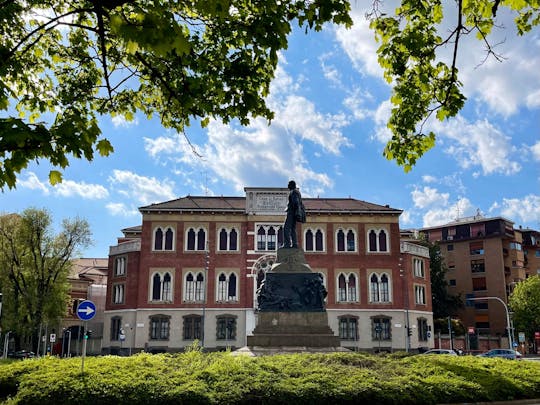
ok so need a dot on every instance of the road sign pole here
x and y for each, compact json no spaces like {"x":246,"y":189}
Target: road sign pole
{"x":85,"y":337}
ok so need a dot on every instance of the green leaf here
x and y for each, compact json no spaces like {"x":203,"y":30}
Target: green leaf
{"x":55,"y":177}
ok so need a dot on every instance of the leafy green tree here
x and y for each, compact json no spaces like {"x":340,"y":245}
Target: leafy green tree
{"x":34,"y":266}
{"x":424,"y":84}
{"x":525,"y":303}
{"x":63,"y":64}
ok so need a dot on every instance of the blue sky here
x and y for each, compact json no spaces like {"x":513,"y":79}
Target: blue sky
{"x":331,"y":106}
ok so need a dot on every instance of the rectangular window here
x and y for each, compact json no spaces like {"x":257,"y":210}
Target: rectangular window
{"x":116,"y":325}
{"x":226,"y":328}
{"x":118,"y":294}
{"x":159,"y":328}
{"x":476,"y":248}
{"x":348,"y":328}
{"x":452,"y":282}
{"x":478,"y":266}
{"x":120,"y":266}
{"x":192,"y":327}
{"x":380,"y":329}
{"x":420,"y":294}
{"x":418,"y":267}
{"x":480,"y":305}
{"x":479,"y":284}
{"x":422,"y":329}
{"x":450,"y":247}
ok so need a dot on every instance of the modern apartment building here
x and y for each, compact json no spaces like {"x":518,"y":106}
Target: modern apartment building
{"x":485,"y":258}
{"x":531,"y":251}
{"x":192,"y":268}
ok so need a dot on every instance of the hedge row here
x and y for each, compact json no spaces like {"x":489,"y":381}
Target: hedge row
{"x":220,"y":378}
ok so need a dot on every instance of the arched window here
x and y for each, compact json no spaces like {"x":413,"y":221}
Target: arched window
{"x":189,"y":293}
{"x":162,"y":287}
{"x":374,"y":288}
{"x":342,"y":288}
{"x":261,"y":238}
{"x":382,"y":241}
{"x":191,"y":239}
{"x":196,"y":239}
{"x":345,"y":240}
{"x":158,"y":239}
{"x":385,"y":291}
{"x":351,"y":245}
{"x":379,"y":288}
{"x":351,"y":288}
{"x":347,"y":288}
{"x":340,"y":241}
{"x":233,"y":240}
{"x":199,"y":288}
{"x":226,"y":290}
{"x":308,"y":237}
{"x":223,"y":239}
{"x":167,"y":291}
{"x":269,"y":236}
{"x":164,"y":240}
{"x":228,"y":240}
{"x":156,"y":287}
{"x":319,"y":246}
{"x":201,"y":240}
{"x":169,"y":239}
{"x":372,"y":241}
{"x":313,"y":240}
{"x":232,"y":288}
{"x":377,"y":240}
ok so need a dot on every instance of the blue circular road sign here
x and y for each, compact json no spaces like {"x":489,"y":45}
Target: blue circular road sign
{"x":86,"y":310}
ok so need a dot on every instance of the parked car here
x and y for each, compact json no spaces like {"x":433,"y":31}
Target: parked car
{"x":441,"y":351}
{"x":502,"y":353}
{"x":21,"y":354}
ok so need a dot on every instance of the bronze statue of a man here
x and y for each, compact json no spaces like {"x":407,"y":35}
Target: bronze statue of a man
{"x":290,"y":239}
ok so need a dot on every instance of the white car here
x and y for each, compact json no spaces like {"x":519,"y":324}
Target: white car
{"x":441,"y":351}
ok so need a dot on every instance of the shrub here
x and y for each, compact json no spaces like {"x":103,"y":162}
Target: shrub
{"x":195,"y":377}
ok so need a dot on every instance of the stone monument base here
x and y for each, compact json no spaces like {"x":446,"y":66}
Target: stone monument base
{"x":286,"y":329}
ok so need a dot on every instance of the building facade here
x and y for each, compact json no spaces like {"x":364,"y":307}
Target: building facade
{"x":485,"y":258}
{"x":88,"y":281}
{"x":191,"y":271}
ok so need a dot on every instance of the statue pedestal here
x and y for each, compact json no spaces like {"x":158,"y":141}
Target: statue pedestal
{"x":291,"y":309}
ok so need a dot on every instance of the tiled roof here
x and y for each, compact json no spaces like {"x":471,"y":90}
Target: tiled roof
{"x":238,"y":204}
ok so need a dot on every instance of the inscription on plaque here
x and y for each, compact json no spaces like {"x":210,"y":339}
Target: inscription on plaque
{"x":269,"y":201}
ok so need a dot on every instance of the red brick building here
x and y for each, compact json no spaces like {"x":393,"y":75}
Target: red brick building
{"x":191,"y":271}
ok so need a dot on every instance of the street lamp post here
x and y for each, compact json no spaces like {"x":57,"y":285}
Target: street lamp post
{"x":508,"y":325}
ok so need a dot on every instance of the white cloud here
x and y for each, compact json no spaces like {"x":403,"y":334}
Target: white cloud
{"x":448,"y":213}
{"x":359,"y":43}
{"x":121,"y":209}
{"x":261,"y":153}
{"x":69,"y":188}
{"x":405,"y":218}
{"x":33,"y":183}
{"x":429,"y":197}
{"x":355,"y":102}
{"x":145,"y":190}
{"x":429,"y":179}
{"x":535,"y":149}
{"x":525,"y":210}
{"x":119,"y":121}
{"x":478,"y":144}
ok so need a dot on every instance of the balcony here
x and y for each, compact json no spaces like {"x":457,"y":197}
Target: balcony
{"x":125,"y":247}
{"x":414,"y":249}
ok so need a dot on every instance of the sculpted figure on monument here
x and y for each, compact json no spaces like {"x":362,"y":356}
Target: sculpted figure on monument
{"x":295,"y":213}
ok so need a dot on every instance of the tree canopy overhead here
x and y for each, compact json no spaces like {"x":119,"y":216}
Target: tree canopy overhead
{"x":65,"y":63}
{"x":424,"y":84}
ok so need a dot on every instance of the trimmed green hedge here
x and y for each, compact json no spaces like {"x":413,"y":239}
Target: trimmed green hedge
{"x":220,"y":378}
